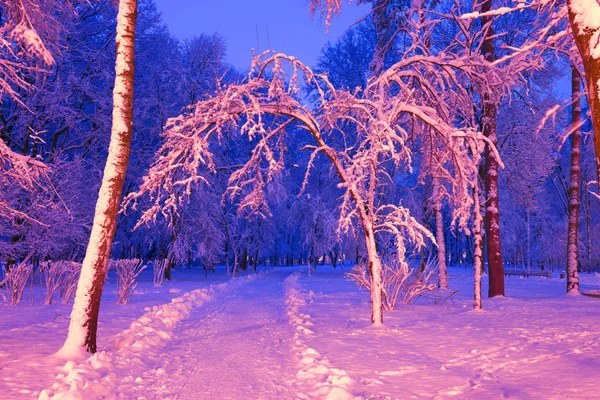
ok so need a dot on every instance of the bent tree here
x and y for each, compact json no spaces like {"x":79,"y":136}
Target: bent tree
{"x":86,"y":307}
{"x":363,"y":135}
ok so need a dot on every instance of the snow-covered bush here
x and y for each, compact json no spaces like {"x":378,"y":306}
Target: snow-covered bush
{"x":70,"y":276}
{"x":61,"y":276}
{"x":52,"y":278}
{"x":159,"y":267}
{"x":15,"y":280}
{"x":400,"y":282}
{"x":127,"y":271}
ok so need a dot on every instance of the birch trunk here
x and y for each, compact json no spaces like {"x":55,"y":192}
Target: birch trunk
{"x":439,"y":237}
{"x":575,"y":177}
{"x":477,"y":249}
{"x":375,"y":271}
{"x":492,"y":212}
{"x":84,"y":317}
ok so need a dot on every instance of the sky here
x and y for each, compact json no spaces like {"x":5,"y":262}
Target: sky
{"x":282,"y":25}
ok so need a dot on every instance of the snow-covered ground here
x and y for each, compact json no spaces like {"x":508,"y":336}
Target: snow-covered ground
{"x":284,"y":335}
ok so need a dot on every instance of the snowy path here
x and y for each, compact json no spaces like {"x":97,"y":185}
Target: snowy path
{"x":234,"y":348}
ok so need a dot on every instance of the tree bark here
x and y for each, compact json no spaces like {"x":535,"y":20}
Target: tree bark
{"x":477,"y":249}
{"x":492,"y":212}
{"x":439,"y":237}
{"x":84,"y":317}
{"x":591,"y":61}
{"x":375,"y":271}
{"x":575,"y":178}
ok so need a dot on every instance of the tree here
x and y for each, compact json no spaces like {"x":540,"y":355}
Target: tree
{"x":84,"y":317}
{"x":262,"y":108}
{"x":574,"y":192}
{"x":492,"y":210}
{"x":585,"y":25}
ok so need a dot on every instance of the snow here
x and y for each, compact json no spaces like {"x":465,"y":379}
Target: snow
{"x":587,"y":20}
{"x":282,"y":334}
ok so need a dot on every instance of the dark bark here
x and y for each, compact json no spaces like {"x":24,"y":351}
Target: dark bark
{"x":492,"y":211}
{"x":591,"y":65}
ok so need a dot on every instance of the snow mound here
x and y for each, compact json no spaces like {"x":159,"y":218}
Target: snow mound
{"x":101,"y":374}
{"x":323,"y":380}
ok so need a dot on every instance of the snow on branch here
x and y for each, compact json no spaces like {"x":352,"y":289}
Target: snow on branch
{"x":23,"y":172}
{"x":29,"y":32}
{"x":427,"y":92}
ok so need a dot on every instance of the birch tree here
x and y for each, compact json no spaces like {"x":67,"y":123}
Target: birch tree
{"x":574,"y":191}
{"x":84,"y":317}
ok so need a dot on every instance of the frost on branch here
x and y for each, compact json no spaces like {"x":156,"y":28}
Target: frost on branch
{"x":61,"y":276}
{"x":15,"y":280}
{"x":365,"y":136}
{"x":400,"y":282}
{"x":29,"y":34}
{"x":18,"y":171}
{"x":127,"y":272}
{"x":158,"y":267}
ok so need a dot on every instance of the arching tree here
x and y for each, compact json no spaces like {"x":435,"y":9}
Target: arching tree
{"x":262,"y":109}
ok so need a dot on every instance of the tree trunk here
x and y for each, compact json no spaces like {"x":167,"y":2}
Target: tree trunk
{"x":235,"y":263}
{"x":244,"y":261}
{"x":227,"y":250}
{"x":255,"y":265}
{"x":492,"y":212}
{"x":381,"y":20}
{"x":439,"y":237}
{"x":575,"y":177}
{"x":528,"y":220}
{"x":84,"y":317}
{"x":591,"y":62}
{"x":375,"y":271}
{"x":477,"y":249}
{"x":588,"y":225}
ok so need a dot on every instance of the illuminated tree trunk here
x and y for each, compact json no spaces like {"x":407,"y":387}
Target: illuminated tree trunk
{"x":492,"y":211}
{"x":439,"y":237}
{"x":375,"y":271}
{"x":84,"y":317}
{"x":477,"y":250}
{"x":579,"y":15}
{"x":575,"y":177}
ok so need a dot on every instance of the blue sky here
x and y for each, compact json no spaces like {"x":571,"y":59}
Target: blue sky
{"x":282,"y":25}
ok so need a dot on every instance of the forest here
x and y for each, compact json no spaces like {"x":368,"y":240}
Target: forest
{"x":431,"y":137}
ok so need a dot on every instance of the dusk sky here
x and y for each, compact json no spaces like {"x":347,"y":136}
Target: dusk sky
{"x":282,"y":25}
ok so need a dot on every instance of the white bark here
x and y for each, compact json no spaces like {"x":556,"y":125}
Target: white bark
{"x":84,"y":317}
{"x":376,"y":271}
{"x":478,"y":250}
{"x":574,"y":189}
{"x":439,"y":237}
